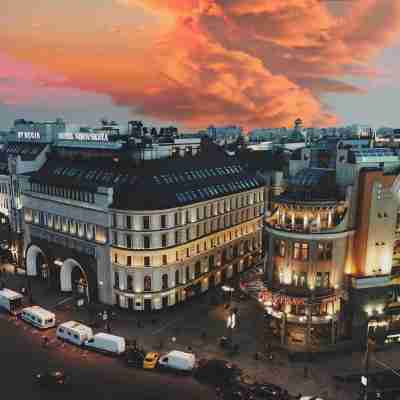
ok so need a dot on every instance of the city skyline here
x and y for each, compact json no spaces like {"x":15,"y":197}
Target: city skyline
{"x":250,"y":63}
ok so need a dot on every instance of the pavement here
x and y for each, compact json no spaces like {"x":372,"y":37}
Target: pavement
{"x":198,"y":324}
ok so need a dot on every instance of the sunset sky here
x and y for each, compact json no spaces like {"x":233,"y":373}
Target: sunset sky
{"x":256,"y":63}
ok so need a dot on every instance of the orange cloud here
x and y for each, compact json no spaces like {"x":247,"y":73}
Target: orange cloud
{"x":251,"y":62}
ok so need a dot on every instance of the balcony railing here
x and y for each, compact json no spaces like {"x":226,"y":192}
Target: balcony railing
{"x":296,"y":291}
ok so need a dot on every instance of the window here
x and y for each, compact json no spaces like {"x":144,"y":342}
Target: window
{"x":197,"y":269}
{"x":129,"y":282}
{"x":176,"y":219}
{"x":164,"y":281}
{"x":147,"y":283}
{"x":114,"y":220}
{"x":197,"y":230}
{"x":146,"y":261}
{"x":325,"y":251}
{"x":164,"y":240}
{"x":129,"y":241}
{"x":326,"y":281}
{"x":187,"y":252}
{"x":129,"y":261}
{"x":188,"y":217}
{"x":146,"y":222}
{"x":115,"y":258}
{"x":146,"y":241}
{"x":176,"y":237}
{"x":296,"y":251}
{"x":211,"y":262}
{"x":128,"y":222}
{"x":187,"y":274}
{"x":116,"y":279}
{"x":187,"y":234}
{"x":304,"y":251}
{"x":303,"y":279}
{"x":177,"y":281}
{"x":318,"y":280}
{"x":163,"y":221}
{"x":164,"y":259}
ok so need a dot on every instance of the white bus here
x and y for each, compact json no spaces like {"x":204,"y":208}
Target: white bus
{"x":39,"y":317}
{"x":11,"y":301}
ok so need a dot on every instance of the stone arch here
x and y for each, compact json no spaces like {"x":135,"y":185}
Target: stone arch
{"x":66,"y":274}
{"x":32,"y":258}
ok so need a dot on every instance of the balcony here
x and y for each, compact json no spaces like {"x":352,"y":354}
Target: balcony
{"x":294,"y":291}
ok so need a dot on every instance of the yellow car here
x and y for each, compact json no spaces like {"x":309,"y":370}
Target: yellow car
{"x":151,"y":359}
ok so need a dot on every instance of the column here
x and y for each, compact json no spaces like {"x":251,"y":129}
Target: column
{"x":329,"y":218}
{"x":319,"y":220}
{"x":305,"y":221}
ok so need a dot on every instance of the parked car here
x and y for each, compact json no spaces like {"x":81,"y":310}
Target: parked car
{"x":151,"y":360}
{"x":51,"y":379}
{"x":217,"y":372}
{"x":266,"y":391}
{"x":134,"y":357}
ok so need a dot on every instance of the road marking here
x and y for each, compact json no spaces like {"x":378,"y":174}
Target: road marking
{"x":166,"y":326}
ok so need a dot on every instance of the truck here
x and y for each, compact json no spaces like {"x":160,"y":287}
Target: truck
{"x":178,"y":360}
{"x":11,"y":301}
{"x":106,"y":343}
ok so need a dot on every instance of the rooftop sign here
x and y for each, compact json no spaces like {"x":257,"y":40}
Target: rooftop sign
{"x":28,"y":135}
{"x":84,"y":136}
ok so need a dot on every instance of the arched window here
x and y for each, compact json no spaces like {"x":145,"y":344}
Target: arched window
{"x":197,"y":269}
{"x":177,"y":277}
{"x":129,"y":282}
{"x":165,"y":281}
{"x":147,"y":283}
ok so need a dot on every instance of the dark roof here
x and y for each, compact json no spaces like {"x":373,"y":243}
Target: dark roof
{"x":27,"y":151}
{"x":311,"y":184}
{"x":157,"y":184}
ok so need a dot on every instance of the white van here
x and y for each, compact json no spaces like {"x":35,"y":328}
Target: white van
{"x":106,"y":343}
{"x":11,"y":301}
{"x":74,"y":332}
{"x":38,"y":317}
{"x":178,"y":360}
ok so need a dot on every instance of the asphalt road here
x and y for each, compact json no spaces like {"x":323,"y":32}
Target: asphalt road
{"x":93,"y":376}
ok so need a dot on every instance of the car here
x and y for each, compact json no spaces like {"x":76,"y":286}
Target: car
{"x":53,"y":378}
{"x":151,"y":360}
{"x":266,"y":391}
{"x":134,"y":358}
{"x":217,"y":372}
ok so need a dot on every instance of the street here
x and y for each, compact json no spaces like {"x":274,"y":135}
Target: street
{"x":92,"y":375}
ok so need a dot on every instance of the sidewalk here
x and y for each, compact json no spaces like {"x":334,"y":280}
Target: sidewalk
{"x":182,"y":326}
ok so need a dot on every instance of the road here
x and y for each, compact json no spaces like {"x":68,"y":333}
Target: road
{"x":92,"y":375}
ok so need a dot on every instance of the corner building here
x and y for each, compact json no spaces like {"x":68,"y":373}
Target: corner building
{"x":183,"y":227}
{"x":145,"y":237}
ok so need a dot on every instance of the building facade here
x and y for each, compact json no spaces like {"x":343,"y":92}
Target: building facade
{"x":144,"y":237}
{"x":332,"y":249}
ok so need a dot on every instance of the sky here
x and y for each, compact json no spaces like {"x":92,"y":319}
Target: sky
{"x":254,"y":63}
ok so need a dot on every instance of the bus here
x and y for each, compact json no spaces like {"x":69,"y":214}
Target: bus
{"x":11,"y":301}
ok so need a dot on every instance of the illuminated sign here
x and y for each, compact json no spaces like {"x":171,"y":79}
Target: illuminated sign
{"x":28,"y":135}
{"x":84,"y":136}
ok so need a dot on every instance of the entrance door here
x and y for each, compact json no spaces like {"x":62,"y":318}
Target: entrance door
{"x":165,"y":301}
{"x":147,"y":305}
{"x":130,"y":303}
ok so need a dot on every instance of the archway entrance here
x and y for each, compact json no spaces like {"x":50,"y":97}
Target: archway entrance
{"x":73,"y":279}
{"x":36,"y":262}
